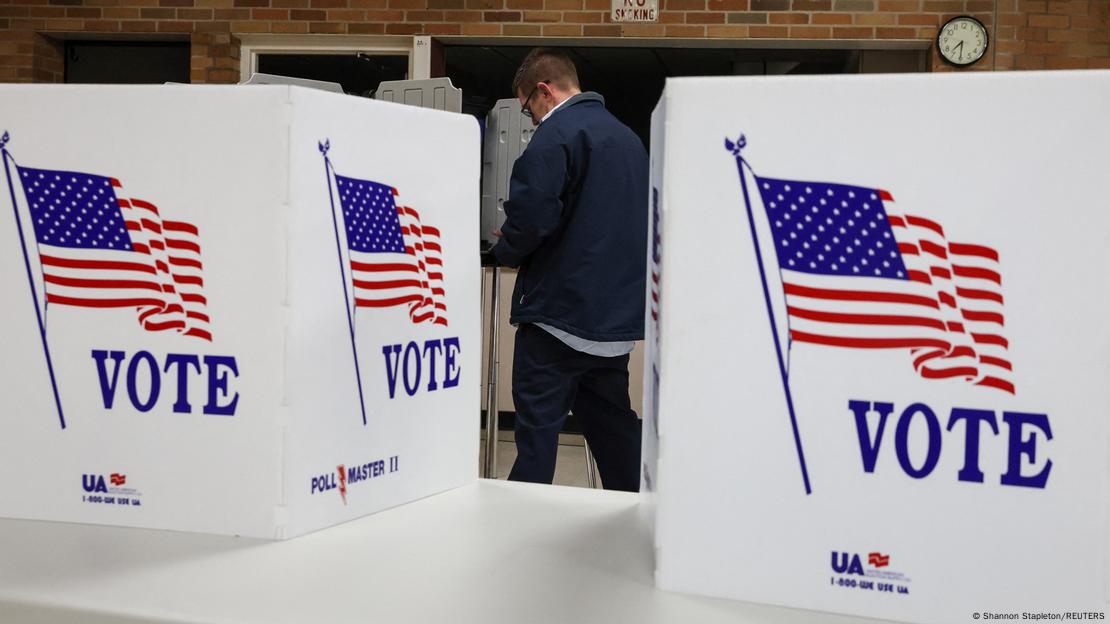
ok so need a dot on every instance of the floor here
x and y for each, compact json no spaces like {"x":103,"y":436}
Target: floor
{"x":570,"y":467}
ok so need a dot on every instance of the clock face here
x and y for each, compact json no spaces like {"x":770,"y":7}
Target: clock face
{"x":962,"y":41}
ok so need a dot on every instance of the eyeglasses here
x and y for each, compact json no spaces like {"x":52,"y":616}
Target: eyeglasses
{"x":524,"y":110}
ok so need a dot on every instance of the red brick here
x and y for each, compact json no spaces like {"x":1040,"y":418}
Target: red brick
{"x":684,"y":5}
{"x":501,"y":16}
{"x":366,"y":29}
{"x":895,"y":33}
{"x":332,"y":28}
{"x":308,"y":14}
{"x":853,"y":32}
{"x":943,"y":6}
{"x":748,"y":18}
{"x":1031,"y":34}
{"x":810,"y":32}
{"x":789,"y":18}
{"x":1041,"y":48}
{"x":1070,"y":36}
{"x":443,"y":29}
{"x":1048,"y":21}
{"x":1066,"y":62}
{"x":250,"y":27}
{"x":687,"y":31}
{"x":481,"y":30}
{"x":705,"y":18}
{"x":189,"y":14}
{"x":562,"y":30}
{"x":643,"y":30}
{"x":385,"y":16}
{"x":129,"y":13}
{"x":328,"y":4}
{"x":175,"y":26}
{"x":158,"y":13}
{"x":140,"y":26}
{"x":727,"y":32}
{"x":770,"y":5}
{"x":251,"y":3}
{"x":417,"y":16}
{"x":232,"y":14}
{"x":404,"y":29}
{"x":919,"y":19}
{"x":270,"y":14}
{"x":582,"y":17}
{"x":768,"y":32}
{"x":603,"y":30}
{"x":446,"y":4}
{"x":1089,"y":49}
{"x":524,"y":4}
{"x":1029,"y":62}
{"x":83,"y":12}
{"x":462,"y":16}
{"x":896,"y":6}
{"x":876,"y":19}
{"x":812,"y":5}
{"x":521,"y":30}
{"x":175,"y":3}
{"x":552,"y":17}
{"x":832,"y":18}
{"x":1070,"y":7}
{"x":727,"y":5}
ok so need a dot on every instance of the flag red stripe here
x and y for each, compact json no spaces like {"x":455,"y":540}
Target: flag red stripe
{"x":864,"y":319}
{"x":972,"y":293}
{"x":977,"y":273}
{"x":925,"y":223}
{"x":867,"y":343}
{"x":990,"y":339}
{"x":995,"y":361}
{"x":858,"y":295}
{"x":934,"y":249}
{"x":995,"y":382}
{"x":180,"y":244}
{"x":385,"y":303}
{"x":180,"y":226}
{"x":363,"y":266}
{"x":985,"y":317}
{"x":964,"y":249}
{"x":107,"y":265}
{"x":95,"y":283}
{"x":948,"y":373}
{"x":102,"y":303}
{"x":387,"y":284}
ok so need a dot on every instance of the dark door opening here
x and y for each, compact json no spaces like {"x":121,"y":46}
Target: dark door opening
{"x":358,"y":73}
{"x":631,"y":79}
{"x":126,"y":62}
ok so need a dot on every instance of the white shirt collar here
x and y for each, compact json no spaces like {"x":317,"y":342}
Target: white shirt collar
{"x":552,"y":111}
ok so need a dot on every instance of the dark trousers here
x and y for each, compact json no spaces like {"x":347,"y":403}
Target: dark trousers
{"x":550,"y":379}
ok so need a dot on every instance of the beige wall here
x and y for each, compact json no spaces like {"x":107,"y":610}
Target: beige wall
{"x":508,"y":336}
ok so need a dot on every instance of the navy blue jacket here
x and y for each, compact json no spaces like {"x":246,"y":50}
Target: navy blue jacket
{"x":576,"y":225}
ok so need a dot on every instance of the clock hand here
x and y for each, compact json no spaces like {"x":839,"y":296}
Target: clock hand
{"x":961,"y":49}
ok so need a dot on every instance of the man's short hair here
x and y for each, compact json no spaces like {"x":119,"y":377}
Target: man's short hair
{"x":545,"y":64}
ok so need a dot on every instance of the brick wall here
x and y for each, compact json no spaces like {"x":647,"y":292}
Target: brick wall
{"x":1025,"y":34}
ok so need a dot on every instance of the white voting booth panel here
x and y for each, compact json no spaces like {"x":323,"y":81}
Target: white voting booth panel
{"x":236,"y":310}
{"x":877,"y":378}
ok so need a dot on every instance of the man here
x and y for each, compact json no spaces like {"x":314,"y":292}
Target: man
{"x":576,"y":225}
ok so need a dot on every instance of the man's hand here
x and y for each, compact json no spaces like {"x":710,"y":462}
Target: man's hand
{"x":496,"y":232}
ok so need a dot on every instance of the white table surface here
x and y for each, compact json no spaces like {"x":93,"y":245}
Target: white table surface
{"x":489,"y":552}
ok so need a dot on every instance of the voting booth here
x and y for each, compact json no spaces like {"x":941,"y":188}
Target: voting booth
{"x":877,"y":363}
{"x":237,"y":310}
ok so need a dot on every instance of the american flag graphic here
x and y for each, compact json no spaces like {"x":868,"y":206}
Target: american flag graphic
{"x":395,"y":259}
{"x":656,"y":258}
{"x":857,"y":273}
{"x":100,"y":249}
